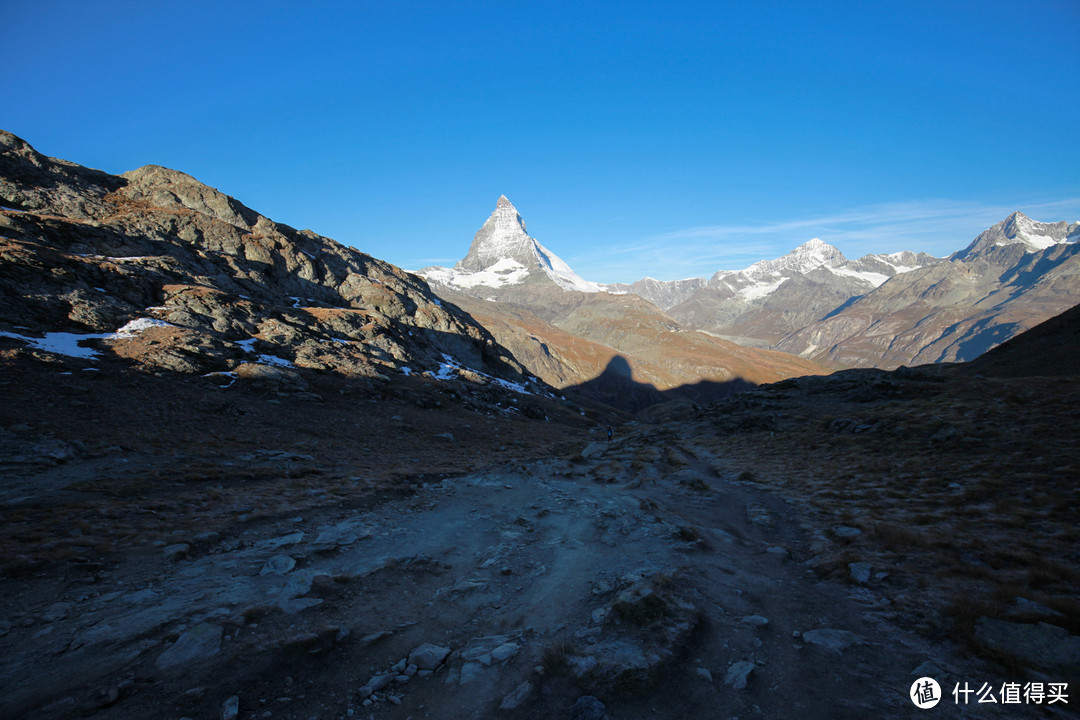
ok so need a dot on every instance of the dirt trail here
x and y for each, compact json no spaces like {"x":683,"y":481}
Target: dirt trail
{"x":642,"y":574}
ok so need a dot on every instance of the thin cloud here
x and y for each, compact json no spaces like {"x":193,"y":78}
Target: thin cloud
{"x":936,"y":226}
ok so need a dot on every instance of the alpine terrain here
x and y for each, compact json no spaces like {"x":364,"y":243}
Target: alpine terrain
{"x":604,"y":342}
{"x":247,"y":472}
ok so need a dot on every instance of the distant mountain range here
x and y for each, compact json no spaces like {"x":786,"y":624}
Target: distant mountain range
{"x":618,"y":346}
{"x":882,"y":310}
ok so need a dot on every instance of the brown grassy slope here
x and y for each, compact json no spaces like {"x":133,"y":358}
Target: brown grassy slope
{"x":963,"y":483}
{"x":141,"y":455}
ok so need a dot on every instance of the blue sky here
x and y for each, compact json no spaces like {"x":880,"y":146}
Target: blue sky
{"x":635,"y":138}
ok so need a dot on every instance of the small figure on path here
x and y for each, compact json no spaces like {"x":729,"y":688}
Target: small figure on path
{"x":609,"y":433}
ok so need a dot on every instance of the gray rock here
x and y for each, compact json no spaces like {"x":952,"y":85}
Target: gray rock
{"x":470,"y":671}
{"x":372,"y":638}
{"x":230,"y":708}
{"x":516,"y":697}
{"x":588,"y":707}
{"x":504,"y":651}
{"x":399,"y":666}
{"x":704,"y":674}
{"x":846,"y":532}
{"x":378,"y":682}
{"x":860,"y":571}
{"x":831,"y":639}
{"x":290,"y":539}
{"x":755,"y":620}
{"x":1023,"y":605}
{"x":428,"y":656}
{"x":198,"y":643}
{"x":176,"y":552}
{"x":1044,"y":646}
{"x":738,"y":673}
{"x":278,"y":565}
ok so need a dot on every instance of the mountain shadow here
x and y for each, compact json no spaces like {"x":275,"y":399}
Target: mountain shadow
{"x":615,"y":386}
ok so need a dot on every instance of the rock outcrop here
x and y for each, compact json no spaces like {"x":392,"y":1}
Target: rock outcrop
{"x":205,"y":284}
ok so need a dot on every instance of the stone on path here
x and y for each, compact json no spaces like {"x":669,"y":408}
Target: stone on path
{"x":738,"y":673}
{"x":278,"y":565}
{"x":860,"y":571}
{"x":230,"y":708}
{"x":198,"y":643}
{"x":428,"y":656}
{"x":588,"y":707}
{"x":831,"y":639}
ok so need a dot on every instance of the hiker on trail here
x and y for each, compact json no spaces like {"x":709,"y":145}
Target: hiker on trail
{"x":609,"y":433}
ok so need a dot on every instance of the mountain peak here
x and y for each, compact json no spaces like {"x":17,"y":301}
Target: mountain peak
{"x":811,"y":254}
{"x":503,"y":254}
{"x":1019,"y":229}
{"x":503,"y":235}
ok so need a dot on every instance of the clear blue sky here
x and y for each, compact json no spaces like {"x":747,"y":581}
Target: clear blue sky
{"x":660,"y":138}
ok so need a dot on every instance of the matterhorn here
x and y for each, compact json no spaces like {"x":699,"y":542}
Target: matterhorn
{"x":501,"y":255}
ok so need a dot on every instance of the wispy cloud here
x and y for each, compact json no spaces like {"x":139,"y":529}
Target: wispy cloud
{"x":936,"y":226}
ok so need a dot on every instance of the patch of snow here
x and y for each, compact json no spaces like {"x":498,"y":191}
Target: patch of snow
{"x":406,"y":371}
{"x":228,"y":374}
{"x":875,"y":279}
{"x":1032,"y":241}
{"x":62,"y":343}
{"x":273,"y":361}
{"x":70,"y":344}
{"x":506,"y":271}
{"x":761,"y":289}
{"x":7,"y":209}
{"x":449,"y":368}
{"x":136,"y":326}
{"x":308,"y":254}
{"x":248,"y":345}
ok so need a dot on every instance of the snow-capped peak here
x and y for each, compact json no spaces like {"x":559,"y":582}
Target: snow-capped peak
{"x":1019,"y":229}
{"x":503,"y":254}
{"x":811,"y":254}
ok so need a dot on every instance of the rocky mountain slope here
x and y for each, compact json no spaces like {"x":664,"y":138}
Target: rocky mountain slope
{"x":332,"y":544}
{"x":160,"y":269}
{"x":1012,"y":277}
{"x":806,"y":549}
{"x":612,"y":346}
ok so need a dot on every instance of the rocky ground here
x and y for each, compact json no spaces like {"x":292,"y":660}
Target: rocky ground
{"x":807,"y":549}
{"x":246,"y":472}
